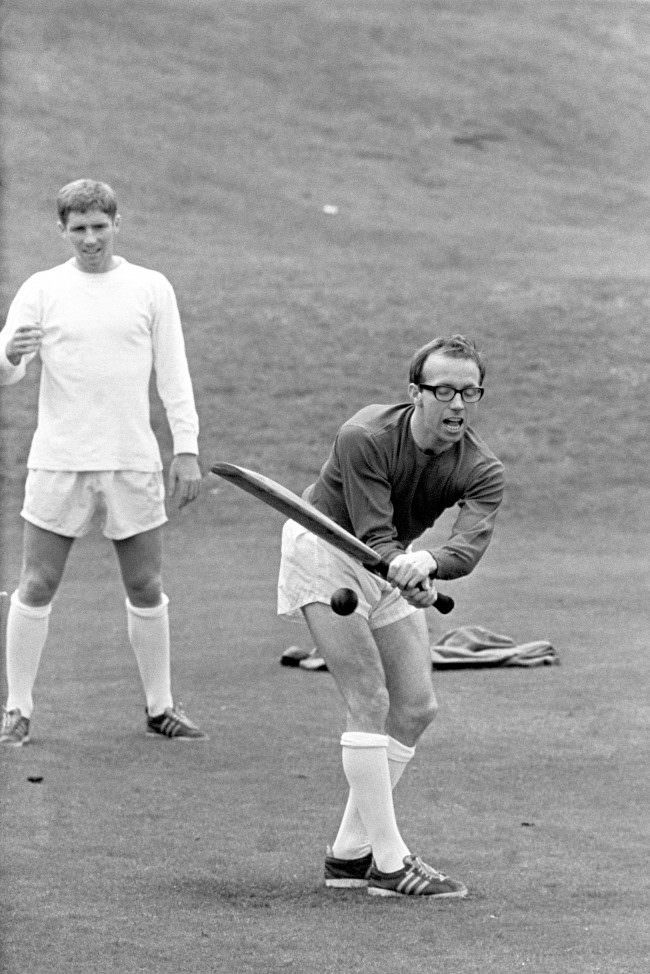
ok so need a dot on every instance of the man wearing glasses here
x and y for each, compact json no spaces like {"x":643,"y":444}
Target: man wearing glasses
{"x":391,"y":473}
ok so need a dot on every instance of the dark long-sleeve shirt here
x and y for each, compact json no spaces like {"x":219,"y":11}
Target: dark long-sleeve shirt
{"x":379,"y":485}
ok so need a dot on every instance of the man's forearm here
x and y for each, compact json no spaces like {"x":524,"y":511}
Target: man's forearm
{"x":471,"y":535}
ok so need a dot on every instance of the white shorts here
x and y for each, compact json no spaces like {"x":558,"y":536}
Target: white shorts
{"x":311,"y":570}
{"x":66,"y":502}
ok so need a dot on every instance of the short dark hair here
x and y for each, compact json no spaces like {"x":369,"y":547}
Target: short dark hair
{"x":455,"y":346}
{"x":82,"y":195}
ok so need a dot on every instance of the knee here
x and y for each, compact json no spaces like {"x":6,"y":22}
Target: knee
{"x":414,"y":717}
{"x":38,"y":586}
{"x":145,"y":591}
{"x":428,"y":712}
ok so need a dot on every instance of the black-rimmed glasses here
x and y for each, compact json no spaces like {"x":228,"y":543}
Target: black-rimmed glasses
{"x":447,"y":393}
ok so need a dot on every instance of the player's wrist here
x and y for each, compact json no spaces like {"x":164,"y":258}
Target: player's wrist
{"x":427,"y":562}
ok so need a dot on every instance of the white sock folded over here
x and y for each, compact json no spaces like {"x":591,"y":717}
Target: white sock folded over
{"x":366,"y":766}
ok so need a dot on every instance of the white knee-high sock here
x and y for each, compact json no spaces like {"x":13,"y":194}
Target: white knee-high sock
{"x":365,"y":762}
{"x":399,"y":756}
{"x":149,"y":636}
{"x":352,"y":839}
{"x":27,"y":628}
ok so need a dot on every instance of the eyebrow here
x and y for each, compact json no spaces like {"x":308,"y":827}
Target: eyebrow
{"x":89,"y":223}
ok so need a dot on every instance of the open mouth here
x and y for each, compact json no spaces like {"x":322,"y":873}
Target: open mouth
{"x":453,"y":425}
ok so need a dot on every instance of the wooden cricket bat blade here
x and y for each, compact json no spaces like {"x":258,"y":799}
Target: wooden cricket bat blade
{"x":286,"y":502}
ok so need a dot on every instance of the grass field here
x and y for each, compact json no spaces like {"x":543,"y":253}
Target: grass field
{"x":488,"y":163}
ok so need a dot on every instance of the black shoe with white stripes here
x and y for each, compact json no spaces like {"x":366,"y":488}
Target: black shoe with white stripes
{"x":175,"y":724}
{"x":415,"y":878}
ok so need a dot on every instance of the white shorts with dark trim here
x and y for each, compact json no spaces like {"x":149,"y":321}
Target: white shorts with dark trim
{"x":311,"y":570}
{"x":66,"y":502}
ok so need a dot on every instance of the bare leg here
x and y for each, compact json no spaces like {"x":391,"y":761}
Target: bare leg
{"x":140,"y":558}
{"x":352,"y":657}
{"x":44,"y":558}
{"x":405,"y":653}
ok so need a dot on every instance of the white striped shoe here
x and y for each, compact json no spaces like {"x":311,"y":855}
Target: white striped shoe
{"x":415,"y":878}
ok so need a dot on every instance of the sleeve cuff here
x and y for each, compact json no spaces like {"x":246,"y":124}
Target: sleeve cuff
{"x":442,"y":571}
{"x":186,"y":443}
{"x":10,"y":373}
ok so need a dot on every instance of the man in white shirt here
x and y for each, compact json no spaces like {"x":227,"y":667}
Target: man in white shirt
{"x":99,"y":325}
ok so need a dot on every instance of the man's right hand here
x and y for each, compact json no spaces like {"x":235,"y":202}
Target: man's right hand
{"x":421,"y":598}
{"x":27,"y":339}
{"x":411,"y":573}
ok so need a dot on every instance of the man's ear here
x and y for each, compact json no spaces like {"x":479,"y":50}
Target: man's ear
{"x":415,"y":393}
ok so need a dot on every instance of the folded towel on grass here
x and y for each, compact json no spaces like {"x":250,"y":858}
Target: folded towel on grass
{"x":474,"y":646}
{"x":468,"y":646}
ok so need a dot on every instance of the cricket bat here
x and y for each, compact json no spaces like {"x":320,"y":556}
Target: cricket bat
{"x":295,"y":508}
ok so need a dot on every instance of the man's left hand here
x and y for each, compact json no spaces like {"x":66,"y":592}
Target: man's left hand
{"x":411,"y":569}
{"x":184,"y":479}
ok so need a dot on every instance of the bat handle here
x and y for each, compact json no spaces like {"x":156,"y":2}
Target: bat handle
{"x":444,"y":603}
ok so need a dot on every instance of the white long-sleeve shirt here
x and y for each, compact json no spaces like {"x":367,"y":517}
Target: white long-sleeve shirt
{"x":103,"y":333}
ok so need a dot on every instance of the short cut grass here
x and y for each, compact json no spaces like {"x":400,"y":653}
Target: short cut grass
{"x":82,"y":195}
{"x":455,"y":346}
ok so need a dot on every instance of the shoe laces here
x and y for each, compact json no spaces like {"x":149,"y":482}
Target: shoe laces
{"x":426,"y":871}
